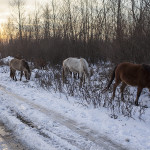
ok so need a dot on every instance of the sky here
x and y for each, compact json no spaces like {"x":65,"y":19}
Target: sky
{"x":5,"y":8}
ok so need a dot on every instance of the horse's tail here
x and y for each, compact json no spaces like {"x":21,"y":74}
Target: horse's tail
{"x":12,"y":73}
{"x":63,"y":71}
{"x":111,"y":80}
{"x":63,"y":75}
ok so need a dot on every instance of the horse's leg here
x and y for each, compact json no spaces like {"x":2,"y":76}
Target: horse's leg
{"x":26,"y":75}
{"x":21,"y":75}
{"x":122,"y":89}
{"x":75,"y":75}
{"x":81,"y":79}
{"x":11,"y":74}
{"x":139,"y":90}
{"x":84,"y":76}
{"x":118,"y":81}
{"x":14,"y":75}
{"x":64,"y":74}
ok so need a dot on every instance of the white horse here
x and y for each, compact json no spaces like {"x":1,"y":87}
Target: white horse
{"x":76,"y":65}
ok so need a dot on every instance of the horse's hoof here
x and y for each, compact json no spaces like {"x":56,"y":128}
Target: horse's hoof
{"x":136,"y":104}
{"x":123,"y":100}
{"x":145,"y":106}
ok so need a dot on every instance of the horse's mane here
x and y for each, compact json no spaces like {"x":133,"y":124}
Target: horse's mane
{"x":26,"y":65}
{"x":146,"y":67}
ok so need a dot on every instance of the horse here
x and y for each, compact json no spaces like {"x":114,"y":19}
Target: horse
{"x":75,"y":65}
{"x":20,"y":65}
{"x":130,"y":74}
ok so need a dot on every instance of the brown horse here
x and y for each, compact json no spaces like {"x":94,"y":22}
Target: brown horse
{"x":131,"y":74}
{"x":20,"y":65}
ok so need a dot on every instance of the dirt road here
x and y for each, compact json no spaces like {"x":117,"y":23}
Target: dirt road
{"x":88,"y":137}
{"x":8,"y":141}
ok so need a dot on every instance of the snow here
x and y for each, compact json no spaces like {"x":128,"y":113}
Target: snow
{"x":132,"y":133}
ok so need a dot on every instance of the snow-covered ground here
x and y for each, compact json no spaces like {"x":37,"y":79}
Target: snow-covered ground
{"x":48,"y":120}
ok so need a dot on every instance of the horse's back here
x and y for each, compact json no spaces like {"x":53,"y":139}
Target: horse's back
{"x":130,"y":73}
{"x":67,"y":61}
{"x":128,"y":67}
{"x":12,"y":62}
{"x":72,"y":60}
{"x":73,"y":64}
{"x":15,"y":64}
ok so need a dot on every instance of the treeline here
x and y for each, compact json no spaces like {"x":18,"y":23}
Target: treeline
{"x":106,"y":30}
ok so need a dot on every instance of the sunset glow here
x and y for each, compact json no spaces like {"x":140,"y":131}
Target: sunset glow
{"x":1,"y":29}
{"x":2,"y":21}
{"x":6,"y":11}
{"x":5,"y":8}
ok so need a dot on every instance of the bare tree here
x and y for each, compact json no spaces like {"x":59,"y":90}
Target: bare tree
{"x":118,"y":30}
{"x":10,"y":29}
{"x":54,"y":17}
{"x":46,"y":17}
{"x":18,"y":14}
{"x":36,"y":22}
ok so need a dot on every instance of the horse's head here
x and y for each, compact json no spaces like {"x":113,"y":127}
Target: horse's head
{"x":27,"y":70}
{"x":146,"y":67}
{"x":147,"y":73}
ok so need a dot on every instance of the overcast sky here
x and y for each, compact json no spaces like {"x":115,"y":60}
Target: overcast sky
{"x":5,"y":8}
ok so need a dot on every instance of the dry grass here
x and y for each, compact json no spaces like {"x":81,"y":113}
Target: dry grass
{"x":91,"y":94}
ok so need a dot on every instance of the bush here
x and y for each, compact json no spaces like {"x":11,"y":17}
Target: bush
{"x":91,"y":94}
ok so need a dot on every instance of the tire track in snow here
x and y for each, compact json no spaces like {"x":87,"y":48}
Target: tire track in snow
{"x":102,"y":141}
{"x":57,"y":140}
{"x":49,"y":133}
{"x":54,"y":133}
{"x":7,"y":140}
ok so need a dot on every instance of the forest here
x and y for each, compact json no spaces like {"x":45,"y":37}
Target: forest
{"x":106,"y":30}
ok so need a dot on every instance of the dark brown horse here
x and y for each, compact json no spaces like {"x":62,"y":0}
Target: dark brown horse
{"x":20,"y":65}
{"x":131,"y":74}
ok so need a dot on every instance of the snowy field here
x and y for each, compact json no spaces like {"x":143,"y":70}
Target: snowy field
{"x":48,"y":120}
